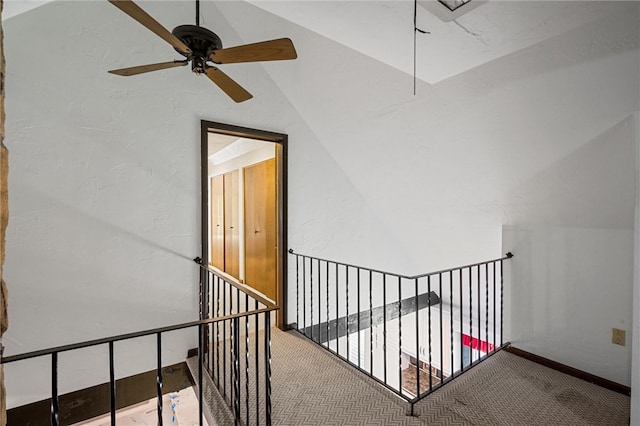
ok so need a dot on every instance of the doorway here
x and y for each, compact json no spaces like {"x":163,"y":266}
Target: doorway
{"x":244,"y":218}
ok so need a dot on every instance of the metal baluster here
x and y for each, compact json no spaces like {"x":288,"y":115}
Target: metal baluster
{"x":304,"y":295}
{"x":200,"y":381}
{"x":258,"y":367}
{"x":337,"y":314}
{"x":479,"y":316}
{"x":451,"y":369}
{"x":441,"y":354}
{"x":210,"y":298}
{"x":311,"y":295}
{"x":370,"y":323}
{"x":218,"y":335}
{"x":327,"y":294}
{"x":112,"y":386}
{"x":232,"y":366}
{"x":486,"y":306}
{"x":384,"y":325}
{"x":246,"y":364}
{"x":470,"y":318}
{"x":358,"y":307}
{"x":297,"y":293}
{"x":159,"y":376}
{"x":429,"y":313}
{"x":346,"y":286}
{"x":417,"y":338}
{"x":319,"y":304}
{"x":54,"y":389}
{"x":494,"y":306}
{"x":236,"y":370}
{"x":400,"y":332}
{"x":267,"y":356}
{"x":224,"y":340}
{"x":501,"y":300}
{"x":461,"y":323}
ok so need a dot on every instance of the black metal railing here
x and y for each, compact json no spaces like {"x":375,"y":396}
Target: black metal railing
{"x":412,"y":334}
{"x":229,"y":349}
{"x":234,"y":351}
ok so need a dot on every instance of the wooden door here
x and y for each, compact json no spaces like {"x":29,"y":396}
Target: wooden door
{"x":231,"y":225}
{"x":260,"y":227}
{"x":217,"y":222}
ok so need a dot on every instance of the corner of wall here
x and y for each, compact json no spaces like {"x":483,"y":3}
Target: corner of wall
{"x":635,"y":335}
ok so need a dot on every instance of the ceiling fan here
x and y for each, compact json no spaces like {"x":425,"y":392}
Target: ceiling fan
{"x":201,"y":47}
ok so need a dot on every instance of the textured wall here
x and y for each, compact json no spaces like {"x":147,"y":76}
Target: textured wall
{"x":635,"y":341}
{"x":4,"y":219}
{"x":105,"y":183}
{"x":105,"y":170}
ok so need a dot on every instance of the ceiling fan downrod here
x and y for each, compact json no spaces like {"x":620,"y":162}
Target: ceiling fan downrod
{"x":197,"y":13}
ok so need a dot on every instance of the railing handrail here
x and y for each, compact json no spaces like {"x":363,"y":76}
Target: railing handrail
{"x":240,"y":286}
{"x":508,"y":255}
{"x":127,"y":336}
{"x":420,"y":295}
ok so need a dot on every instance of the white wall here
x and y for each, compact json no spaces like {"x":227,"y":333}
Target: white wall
{"x":565,"y":293}
{"x":571,"y":280}
{"x":635,"y":327}
{"x":104,"y":181}
{"x":539,"y":138}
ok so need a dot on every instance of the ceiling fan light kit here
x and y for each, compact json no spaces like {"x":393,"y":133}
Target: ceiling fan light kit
{"x":200,"y":46}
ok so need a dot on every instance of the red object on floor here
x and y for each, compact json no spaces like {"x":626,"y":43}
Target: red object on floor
{"x":473,"y":343}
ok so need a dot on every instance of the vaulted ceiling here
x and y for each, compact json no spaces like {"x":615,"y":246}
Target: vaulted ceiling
{"x":383,"y":30}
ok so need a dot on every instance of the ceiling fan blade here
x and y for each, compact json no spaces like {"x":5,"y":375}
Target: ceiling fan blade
{"x":126,"y":72}
{"x":133,"y":10}
{"x":228,"y":86}
{"x":272,"y":50}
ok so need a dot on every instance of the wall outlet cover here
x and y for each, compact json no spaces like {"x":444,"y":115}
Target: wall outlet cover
{"x":618,"y":336}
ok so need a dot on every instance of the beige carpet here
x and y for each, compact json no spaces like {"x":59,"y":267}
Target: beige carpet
{"x":313,"y":387}
{"x":509,"y":390}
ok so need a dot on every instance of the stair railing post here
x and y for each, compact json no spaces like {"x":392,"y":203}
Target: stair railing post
{"x":112,"y":386}
{"x":54,"y":390}
{"x":159,"y":376}
{"x":200,"y":381}
{"x":236,"y":370}
{"x":417,"y":341}
{"x":267,"y":366}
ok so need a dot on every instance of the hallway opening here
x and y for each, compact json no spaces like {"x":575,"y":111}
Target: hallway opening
{"x":244,"y":207}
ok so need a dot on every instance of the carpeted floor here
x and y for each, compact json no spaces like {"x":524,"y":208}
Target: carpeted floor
{"x":313,"y":387}
{"x":508,"y":390}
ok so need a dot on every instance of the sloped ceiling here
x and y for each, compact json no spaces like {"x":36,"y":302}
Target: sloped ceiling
{"x":12,"y":8}
{"x":543,"y":79}
{"x":383,"y":29}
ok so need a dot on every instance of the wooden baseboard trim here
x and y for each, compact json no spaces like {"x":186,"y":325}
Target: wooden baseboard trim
{"x":596,"y":380}
{"x":95,"y":401}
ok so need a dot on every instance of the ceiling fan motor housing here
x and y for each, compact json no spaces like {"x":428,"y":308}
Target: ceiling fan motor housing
{"x":202,"y":43}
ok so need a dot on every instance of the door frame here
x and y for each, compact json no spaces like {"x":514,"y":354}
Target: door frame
{"x":281,"y":141}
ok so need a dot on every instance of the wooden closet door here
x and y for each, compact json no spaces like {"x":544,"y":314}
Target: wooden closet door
{"x":260,"y":227}
{"x":217,"y":222}
{"x":231,"y":225}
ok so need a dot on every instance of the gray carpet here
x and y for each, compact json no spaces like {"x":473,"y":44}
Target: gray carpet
{"x":313,"y":387}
